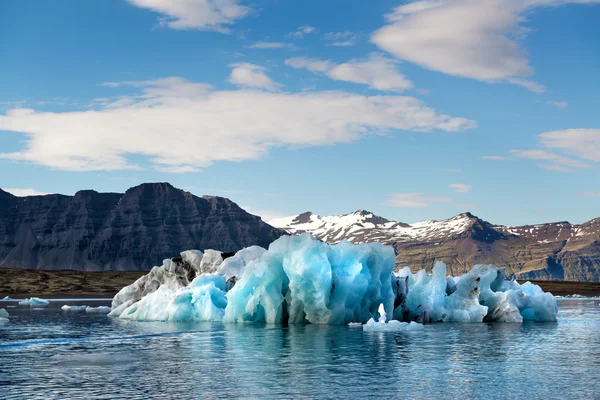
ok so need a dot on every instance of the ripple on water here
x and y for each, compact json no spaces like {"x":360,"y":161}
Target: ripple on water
{"x":56,"y":355}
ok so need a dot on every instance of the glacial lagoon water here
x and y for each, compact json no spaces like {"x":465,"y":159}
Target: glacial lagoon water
{"x":47,"y":353}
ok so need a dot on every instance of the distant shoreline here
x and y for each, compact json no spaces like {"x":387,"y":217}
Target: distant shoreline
{"x":67,"y":283}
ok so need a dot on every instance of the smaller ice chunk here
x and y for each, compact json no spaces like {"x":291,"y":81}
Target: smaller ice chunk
{"x":98,"y":310}
{"x":117,"y":311}
{"x":355,"y":324}
{"x":7,"y":298}
{"x":73,"y":308}
{"x":203,"y":300}
{"x":3,"y":313}
{"x":393,"y":326}
{"x":34,"y":301}
{"x":3,"y":320}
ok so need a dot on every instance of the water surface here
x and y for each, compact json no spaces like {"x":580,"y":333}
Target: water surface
{"x":52,"y":354}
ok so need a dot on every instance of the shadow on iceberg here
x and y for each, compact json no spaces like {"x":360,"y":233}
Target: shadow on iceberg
{"x":300,"y":279}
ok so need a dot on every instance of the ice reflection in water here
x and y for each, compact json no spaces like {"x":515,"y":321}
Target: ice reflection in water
{"x":56,"y":355}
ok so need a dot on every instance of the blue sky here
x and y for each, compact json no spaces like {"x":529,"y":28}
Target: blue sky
{"x":413,"y":110}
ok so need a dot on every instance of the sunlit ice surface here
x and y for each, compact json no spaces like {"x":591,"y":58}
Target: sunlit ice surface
{"x":53,"y":354}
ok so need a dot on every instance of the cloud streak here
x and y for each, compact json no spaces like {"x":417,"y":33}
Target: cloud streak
{"x":414,"y":200}
{"x":183,"y":126}
{"x":377,"y":71}
{"x":196,"y":14}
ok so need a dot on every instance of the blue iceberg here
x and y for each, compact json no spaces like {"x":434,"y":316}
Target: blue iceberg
{"x":300,"y":279}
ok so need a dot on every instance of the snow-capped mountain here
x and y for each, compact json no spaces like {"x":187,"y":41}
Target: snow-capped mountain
{"x":557,"y":250}
{"x":364,"y":226}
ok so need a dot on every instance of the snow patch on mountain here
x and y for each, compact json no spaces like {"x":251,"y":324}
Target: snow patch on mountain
{"x":363,"y":226}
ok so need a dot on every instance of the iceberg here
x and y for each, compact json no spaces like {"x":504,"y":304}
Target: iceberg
{"x":392,"y":326}
{"x":34,"y":301}
{"x":300,"y":279}
{"x":3,"y":313}
{"x":73,"y":308}
{"x":7,"y":298}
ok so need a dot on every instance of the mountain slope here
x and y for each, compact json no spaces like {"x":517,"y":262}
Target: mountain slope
{"x":547,"y":251}
{"x":113,"y":231}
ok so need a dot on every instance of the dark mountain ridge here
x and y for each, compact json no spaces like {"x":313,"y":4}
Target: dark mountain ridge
{"x":114,"y":231}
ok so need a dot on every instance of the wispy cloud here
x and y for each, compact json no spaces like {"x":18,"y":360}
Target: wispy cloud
{"x":196,"y":14}
{"x":302,"y":31}
{"x":414,"y":200}
{"x":252,"y":76}
{"x":341,"y":39}
{"x":460,"y":187}
{"x":557,"y":162}
{"x":377,"y":71}
{"x":496,"y":158}
{"x":559,"y":104}
{"x":270,"y":45}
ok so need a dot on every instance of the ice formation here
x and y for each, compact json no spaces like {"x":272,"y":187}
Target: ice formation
{"x":392,"y":326}
{"x":302,"y":280}
{"x":7,"y":298}
{"x":34,"y":301}
{"x":3,"y":313}
{"x":73,"y":308}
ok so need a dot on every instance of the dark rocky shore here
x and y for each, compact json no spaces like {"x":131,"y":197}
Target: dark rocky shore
{"x":27,"y":283}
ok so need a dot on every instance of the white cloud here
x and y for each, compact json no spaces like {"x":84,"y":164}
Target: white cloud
{"x":559,"y":104}
{"x":302,"y":31}
{"x":265,"y":215}
{"x":252,"y":76}
{"x":24,"y":192}
{"x":181,"y":124}
{"x":468,"y":38}
{"x":377,"y":71}
{"x":196,"y":14}
{"x":576,"y":144}
{"x":584,"y":143}
{"x":496,"y":158}
{"x":558,"y":162}
{"x":414,"y":200}
{"x":268,"y":45}
{"x":460,"y":187}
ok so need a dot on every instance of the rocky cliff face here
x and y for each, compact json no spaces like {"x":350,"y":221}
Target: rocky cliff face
{"x":547,"y":251}
{"x":114,"y":231}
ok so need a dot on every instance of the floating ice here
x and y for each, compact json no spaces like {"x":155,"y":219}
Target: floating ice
{"x":73,"y":308}
{"x":302,"y":280}
{"x":3,"y":313}
{"x":392,"y":326}
{"x":3,"y":320}
{"x":7,"y":298}
{"x":98,"y":310}
{"x":34,"y":301}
